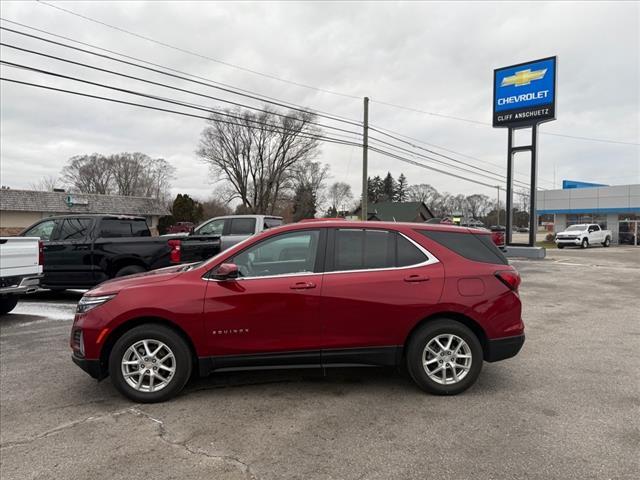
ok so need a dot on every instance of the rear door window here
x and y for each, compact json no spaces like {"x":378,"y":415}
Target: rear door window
{"x":242,"y":226}
{"x":272,"y":222}
{"x":74,"y":229}
{"x":407,"y":253}
{"x":117,"y":227}
{"x":363,"y":249}
{"x":476,"y":247}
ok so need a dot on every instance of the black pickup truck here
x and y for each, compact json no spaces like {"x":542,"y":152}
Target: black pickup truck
{"x":84,"y":250}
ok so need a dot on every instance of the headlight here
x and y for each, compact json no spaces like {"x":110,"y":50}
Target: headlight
{"x":89,"y":303}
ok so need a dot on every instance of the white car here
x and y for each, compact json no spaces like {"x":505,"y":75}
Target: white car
{"x":583,"y":235}
{"x":20,"y":269}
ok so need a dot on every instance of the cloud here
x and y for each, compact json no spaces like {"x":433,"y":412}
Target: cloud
{"x":436,"y":57}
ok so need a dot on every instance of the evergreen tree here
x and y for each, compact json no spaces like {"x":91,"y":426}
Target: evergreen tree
{"x":186,"y":209}
{"x":401,"y":189}
{"x":389,"y":187}
{"x":304,"y":203}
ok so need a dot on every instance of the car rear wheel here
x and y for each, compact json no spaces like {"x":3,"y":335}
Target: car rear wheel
{"x":585,"y":243}
{"x":150,"y":363}
{"x":444,"y":357}
{"x":8,"y":303}
{"x":607,"y":242}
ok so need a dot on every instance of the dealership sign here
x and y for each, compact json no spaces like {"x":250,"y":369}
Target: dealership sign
{"x":524,"y":94}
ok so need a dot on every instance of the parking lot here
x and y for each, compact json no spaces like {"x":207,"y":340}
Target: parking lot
{"x":566,"y":407}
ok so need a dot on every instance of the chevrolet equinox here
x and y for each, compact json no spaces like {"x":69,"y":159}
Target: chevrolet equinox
{"x":437,"y":299}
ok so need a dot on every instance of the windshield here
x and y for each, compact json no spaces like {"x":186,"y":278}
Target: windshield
{"x":576,"y":228}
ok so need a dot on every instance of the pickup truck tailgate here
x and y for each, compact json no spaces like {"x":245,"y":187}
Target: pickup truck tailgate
{"x":19,"y":256}
{"x":195,"y":248}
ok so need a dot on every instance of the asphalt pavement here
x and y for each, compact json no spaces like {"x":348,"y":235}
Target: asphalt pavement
{"x":567,"y":407}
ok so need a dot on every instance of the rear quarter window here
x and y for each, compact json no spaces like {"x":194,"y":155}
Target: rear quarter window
{"x":472,"y":246}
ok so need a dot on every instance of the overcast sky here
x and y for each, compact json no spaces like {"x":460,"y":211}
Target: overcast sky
{"x":436,"y":57}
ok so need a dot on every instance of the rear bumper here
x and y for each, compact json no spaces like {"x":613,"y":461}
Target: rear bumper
{"x":28,"y":284}
{"x":92,"y":367}
{"x":503,"y":348}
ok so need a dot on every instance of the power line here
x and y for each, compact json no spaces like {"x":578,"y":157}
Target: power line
{"x":305,"y":135}
{"x":315,"y":110}
{"x":388,"y":132}
{"x":209,"y":110}
{"x":207,"y":96}
{"x":199,"y":55}
{"x":501,"y":177}
{"x":150,"y":107}
{"x":311,"y":87}
{"x":404,"y":150}
{"x":486,"y":124}
{"x":112,"y":72}
{"x":209,"y":83}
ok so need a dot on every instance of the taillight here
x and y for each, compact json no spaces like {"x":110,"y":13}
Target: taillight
{"x":175,"y":251}
{"x":40,"y":252}
{"x":511,"y":278}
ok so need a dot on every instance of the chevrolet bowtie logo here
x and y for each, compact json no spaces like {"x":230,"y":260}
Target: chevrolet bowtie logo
{"x":523,"y":77}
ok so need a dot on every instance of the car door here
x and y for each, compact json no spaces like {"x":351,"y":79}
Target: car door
{"x":269,"y":314}
{"x":378,"y":283}
{"x":44,"y":230}
{"x":68,"y":255}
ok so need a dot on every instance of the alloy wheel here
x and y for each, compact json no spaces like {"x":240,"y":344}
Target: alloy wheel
{"x":148,"y":365}
{"x":447,"y":359}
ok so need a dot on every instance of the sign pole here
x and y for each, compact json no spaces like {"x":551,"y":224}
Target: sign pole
{"x":509,"y":200}
{"x":533,"y":215}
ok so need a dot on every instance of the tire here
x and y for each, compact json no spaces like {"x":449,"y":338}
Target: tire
{"x":426,"y":336}
{"x":585,"y":243}
{"x":606,"y":243}
{"x":153,"y":335}
{"x":129,"y":270}
{"x":8,"y":303}
{"x":560,"y":246}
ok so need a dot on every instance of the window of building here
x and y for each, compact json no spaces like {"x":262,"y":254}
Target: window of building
{"x":574,"y":219}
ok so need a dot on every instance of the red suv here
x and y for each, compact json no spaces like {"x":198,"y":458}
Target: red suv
{"x":439,"y":299}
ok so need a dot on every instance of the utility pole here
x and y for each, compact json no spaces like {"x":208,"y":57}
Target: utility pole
{"x":365,"y":152}
{"x":498,"y":204}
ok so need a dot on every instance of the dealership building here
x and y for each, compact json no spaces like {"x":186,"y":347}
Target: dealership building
{"x":616,"y":208}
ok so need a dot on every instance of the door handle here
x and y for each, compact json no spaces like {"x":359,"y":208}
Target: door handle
{"x":302,"y":286}
{"x":416,"y":278}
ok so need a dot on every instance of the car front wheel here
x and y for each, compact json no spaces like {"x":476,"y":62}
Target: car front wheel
{"x":150,"y":363}
{"x":444,"y":357}
{"x":585,"y":243}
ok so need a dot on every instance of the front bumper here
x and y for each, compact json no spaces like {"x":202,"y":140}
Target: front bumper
{"x":93,"y":367}
{"x":503,"y":348}
{"x":568,"y":241}
{"x":28,"y":284}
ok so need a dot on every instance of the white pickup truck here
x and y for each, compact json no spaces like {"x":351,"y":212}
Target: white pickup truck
{"x":583,"y":235}
{"x":20,"y":269}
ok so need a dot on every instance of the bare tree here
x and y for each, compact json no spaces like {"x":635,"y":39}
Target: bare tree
{"x":89,"y":174}
{"x":339,"y":195}
{"x":478,"y":204}
{"x":422,"y":193}
{"x":258,"y":154}
{"x":128,"y":174}
{"x":45,"y":184}
{"x":311,"y":176}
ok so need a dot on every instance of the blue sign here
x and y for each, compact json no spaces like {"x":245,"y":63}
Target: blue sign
{"x":524,"y":94}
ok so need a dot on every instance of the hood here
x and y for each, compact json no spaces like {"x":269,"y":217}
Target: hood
{"x":144,"y":278}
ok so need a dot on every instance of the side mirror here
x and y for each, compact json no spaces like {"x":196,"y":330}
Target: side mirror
{"x":226,"y":271}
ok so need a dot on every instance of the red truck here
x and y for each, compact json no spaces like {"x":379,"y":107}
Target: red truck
{"x":438,"y":299}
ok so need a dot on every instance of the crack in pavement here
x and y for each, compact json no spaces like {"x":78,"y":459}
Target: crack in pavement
{"x":244,"y":467}
{"x":162,"y":435}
